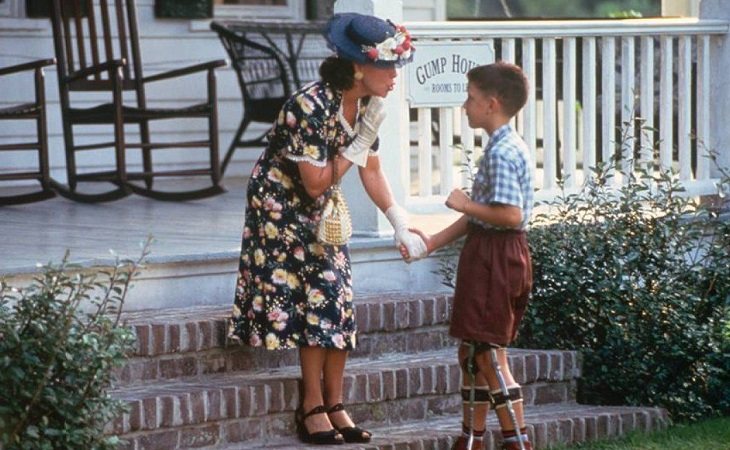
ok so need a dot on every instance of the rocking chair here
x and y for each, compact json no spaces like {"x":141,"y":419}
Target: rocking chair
{"x":97,"y":50}
{"x":36,"y":111}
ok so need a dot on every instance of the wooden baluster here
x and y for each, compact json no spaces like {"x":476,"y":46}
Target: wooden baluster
{"x":703,"y":107}
{"x":569,"y":140}
{"x":646,"y":107}
{"x":589,"y":106}
{"x":467,"y":149}
{"x":549,"y":99}
{"x":684,"y":107}
{"x":425,"y":169}
{"x":509,"y":55}
{"x":666,"y":105}
{"x":529,"y":112}
{"x":608,"y":97}
{"x":628,"y":107}
{"x":446,"y":148}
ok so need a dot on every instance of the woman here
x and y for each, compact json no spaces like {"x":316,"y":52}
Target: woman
{"x":293,"y":291}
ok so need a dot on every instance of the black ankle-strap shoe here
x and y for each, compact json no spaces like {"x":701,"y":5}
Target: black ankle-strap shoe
{"x":329,"y":437}
{"x":351,"y":434}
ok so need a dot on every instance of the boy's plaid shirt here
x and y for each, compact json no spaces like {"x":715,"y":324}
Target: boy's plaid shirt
{"x":505,"y":174}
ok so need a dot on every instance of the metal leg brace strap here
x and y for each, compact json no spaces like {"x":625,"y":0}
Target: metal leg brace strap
{"x":470,"y":365}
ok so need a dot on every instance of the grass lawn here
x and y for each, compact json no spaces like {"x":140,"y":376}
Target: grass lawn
{"x":710,"y":434}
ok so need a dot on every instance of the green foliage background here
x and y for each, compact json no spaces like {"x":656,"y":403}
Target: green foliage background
{"x":60,"y":339}
{"x":637,"y":280}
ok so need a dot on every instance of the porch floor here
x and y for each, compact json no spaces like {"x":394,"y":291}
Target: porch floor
{"x":182,"y":231}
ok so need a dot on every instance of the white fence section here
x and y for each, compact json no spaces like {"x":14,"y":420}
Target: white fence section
{"x":635,"y":90}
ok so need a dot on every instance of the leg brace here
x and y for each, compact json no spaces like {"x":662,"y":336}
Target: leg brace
{"x":474,"y":394}
{"x":506,"y":397}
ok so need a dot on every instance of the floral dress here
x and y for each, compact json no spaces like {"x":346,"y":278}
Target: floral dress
{"x":293,"y":291}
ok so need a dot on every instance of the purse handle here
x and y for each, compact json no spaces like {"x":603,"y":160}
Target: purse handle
{"x":335,"y":179}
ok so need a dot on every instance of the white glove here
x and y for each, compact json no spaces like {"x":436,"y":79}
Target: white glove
{"x":398,"y":217}
{"x":359,"y":150}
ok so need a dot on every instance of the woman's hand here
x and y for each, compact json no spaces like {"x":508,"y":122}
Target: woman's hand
{"x":359,"y":149}
{"x":371,"y":120}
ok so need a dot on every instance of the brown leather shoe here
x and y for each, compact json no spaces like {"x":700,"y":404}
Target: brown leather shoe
{"x":462,"y":441}
{"x":516,"y":445}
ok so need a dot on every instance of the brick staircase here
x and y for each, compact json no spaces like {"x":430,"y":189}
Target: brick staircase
{"x":187,"y":388}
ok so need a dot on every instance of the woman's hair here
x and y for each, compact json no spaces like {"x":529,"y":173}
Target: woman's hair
{"x":505,"y":81}
{"x":337,"y":72}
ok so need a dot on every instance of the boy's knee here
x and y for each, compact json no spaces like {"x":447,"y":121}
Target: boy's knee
{"x":471,"y":355}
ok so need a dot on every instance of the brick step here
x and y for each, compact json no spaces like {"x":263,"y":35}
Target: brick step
{"x":408,"y":386}
{"x":548,"y":425}
{"x":192,"y":341}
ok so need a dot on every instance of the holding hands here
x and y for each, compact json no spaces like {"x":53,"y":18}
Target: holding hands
{"x":358,"y":151}
{"x":413,"y":243}
{"x":423,"y":237}
{"x":458,"y":200}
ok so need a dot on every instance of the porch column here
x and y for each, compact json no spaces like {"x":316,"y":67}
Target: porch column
{"x":681,"y":8}
{"x":719,"y":82}
{"x":367,"y":220}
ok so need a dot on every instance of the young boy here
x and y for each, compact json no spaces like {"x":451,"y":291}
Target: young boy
{"x":494,"y":275}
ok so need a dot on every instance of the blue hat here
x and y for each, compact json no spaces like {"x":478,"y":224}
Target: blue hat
{"x":369,"y":40}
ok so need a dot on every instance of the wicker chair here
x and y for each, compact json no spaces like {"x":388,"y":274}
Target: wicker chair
{"x":270,"y":66}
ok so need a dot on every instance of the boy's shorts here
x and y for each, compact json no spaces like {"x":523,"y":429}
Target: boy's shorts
{"x":493,"y":284}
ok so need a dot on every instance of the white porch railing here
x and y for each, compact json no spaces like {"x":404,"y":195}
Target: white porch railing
{"x":598,"y":89}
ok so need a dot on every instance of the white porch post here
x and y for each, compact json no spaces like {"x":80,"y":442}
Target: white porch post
{"x":366,"y":218}
{"x":681,"y":8}
{"x":719,"y":82}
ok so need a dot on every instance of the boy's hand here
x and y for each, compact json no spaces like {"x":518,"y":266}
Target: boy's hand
{"x":457,"y":200}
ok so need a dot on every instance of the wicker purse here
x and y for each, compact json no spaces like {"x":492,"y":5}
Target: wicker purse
{"x":335,"y":226}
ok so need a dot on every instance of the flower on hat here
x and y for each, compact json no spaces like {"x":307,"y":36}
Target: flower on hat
{"x":367,"y":39}
{"x":392,"y":48}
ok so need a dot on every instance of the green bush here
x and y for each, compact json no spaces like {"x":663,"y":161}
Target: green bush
{"x":637,"y":278}
{"x":60,"y":339}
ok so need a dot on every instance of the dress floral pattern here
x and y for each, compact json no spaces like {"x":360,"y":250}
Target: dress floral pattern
{"x":293,"y":291}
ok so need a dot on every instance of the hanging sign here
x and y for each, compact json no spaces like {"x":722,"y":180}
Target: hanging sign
{"x":437,"y":74}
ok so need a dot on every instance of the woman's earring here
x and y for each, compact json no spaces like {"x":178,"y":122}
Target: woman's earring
{"x":358,"y":76}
